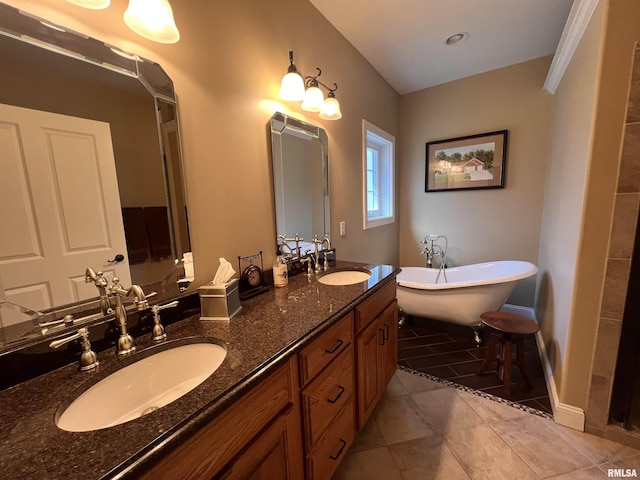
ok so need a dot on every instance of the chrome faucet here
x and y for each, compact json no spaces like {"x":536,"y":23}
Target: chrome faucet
{"x":297,"y":239}
{"x":325,"y":265}
{"x":316,"y":259}
{"x":126,"y":343}
{"x":88,"y":358}
{"x":435,"y":251}
{"x":101,"y":284}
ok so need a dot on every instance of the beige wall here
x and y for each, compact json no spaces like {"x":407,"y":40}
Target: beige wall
{"x":227,"y":69}
{"x":481,"y":225}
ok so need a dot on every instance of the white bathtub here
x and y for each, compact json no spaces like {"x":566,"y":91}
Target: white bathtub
{"x":469,"y":291}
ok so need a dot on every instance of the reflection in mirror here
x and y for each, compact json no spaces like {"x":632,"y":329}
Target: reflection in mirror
{"x":92,"y":172}
{"x":301,"y":180}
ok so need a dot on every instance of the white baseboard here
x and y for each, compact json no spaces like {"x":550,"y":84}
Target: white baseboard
{"x":563,"y":413}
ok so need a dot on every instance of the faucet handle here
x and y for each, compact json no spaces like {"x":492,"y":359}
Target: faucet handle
{"x":307,"y":260}
{"x":88,"y":358}
{"x":158,"y":330}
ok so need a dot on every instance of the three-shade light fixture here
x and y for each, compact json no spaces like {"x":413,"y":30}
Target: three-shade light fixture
{"x":151,"y":19}
{"x":295,"y":88}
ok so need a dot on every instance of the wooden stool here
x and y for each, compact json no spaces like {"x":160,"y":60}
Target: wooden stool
{"x":508,"y":325}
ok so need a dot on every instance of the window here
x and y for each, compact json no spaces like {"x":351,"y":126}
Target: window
{"x":378,"y":169}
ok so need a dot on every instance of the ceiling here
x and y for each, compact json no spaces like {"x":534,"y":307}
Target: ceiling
{"x":404,"y":40}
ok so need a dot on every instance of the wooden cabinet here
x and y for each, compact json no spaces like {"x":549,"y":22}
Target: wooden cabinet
{"x":328,"y":399}
{"x":299,"y":422}
{"x":258,"y":433}
{"x":376,"y":349}
{"x":272,"y":455}
{"x":317,"y":355}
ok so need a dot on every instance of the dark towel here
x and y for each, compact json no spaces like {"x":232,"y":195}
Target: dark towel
{"x":136,"y":233}
{"x":158,"y":231}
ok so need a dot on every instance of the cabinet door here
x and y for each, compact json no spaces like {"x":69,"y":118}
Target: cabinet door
{"x":367,"y":370}
{"x":388,"y":356}
{"x":274,"y":455}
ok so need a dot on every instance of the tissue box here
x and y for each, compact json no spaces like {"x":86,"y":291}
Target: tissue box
{"x":219,"y":302}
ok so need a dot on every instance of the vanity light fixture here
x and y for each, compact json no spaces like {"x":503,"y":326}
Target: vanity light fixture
{"x":313,"y":96}
{"x":294,"y":88}
{"x":152,"y":19}
{"x":92,"y":4}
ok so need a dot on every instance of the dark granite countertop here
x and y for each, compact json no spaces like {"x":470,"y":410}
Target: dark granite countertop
{"x":267,"y":330}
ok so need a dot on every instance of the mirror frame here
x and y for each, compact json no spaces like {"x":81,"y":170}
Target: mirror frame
{"x":281,"y":123}
{"x":25,"y":27}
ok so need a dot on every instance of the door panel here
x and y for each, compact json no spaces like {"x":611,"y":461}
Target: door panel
{"x":59,"y":226}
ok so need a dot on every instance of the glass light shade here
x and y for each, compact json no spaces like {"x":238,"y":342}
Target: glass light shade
{"x":152,"y":19}
{"x":292,"y":87}
{"x":92,"y":4}
{"x":331,"y":109}
{"x":313,"y":100}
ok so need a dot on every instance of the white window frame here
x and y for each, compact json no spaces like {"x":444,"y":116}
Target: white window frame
{"x":384,"y":144}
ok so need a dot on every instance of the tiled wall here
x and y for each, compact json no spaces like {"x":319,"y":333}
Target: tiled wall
{"x":623,"y":231}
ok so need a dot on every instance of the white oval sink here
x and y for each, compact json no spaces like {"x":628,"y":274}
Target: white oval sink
{"x":142,"y":387}
{"x":345,"y":277}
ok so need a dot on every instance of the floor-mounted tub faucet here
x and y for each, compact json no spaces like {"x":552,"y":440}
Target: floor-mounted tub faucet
{"x":431,"y":250}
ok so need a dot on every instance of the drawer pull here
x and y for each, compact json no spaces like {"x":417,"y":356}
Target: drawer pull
{"x":335,"y":349}
{"x":337,"y":396}
{"x":337,"y":455}
{"x":382,"y":339}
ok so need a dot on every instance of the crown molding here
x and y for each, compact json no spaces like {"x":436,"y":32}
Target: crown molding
{"x":579,"y":17}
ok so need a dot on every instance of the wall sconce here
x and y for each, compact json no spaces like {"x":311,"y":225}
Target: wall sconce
{"x":295,"y":88}
{"x":151,"y":19}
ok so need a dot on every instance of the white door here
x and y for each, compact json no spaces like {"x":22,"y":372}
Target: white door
{"x":59,"y":205}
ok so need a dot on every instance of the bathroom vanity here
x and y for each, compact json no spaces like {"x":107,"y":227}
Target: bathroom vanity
{"x":305,"y":366}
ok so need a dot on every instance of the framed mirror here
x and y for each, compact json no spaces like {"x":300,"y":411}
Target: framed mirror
{"x":92,"y":171}
{"x":301,"y":179}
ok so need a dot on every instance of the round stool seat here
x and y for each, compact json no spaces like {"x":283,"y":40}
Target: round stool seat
{"x":510,"y":328}
{"x":509,"y":323}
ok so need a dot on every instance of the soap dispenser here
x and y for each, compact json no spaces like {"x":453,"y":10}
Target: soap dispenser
{"x":280,"y":274}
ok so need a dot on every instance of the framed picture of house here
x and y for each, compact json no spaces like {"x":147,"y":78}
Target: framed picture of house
{"x":466,"y":163}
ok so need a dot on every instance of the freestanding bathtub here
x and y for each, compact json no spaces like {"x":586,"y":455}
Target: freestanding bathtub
{"x":467,"y":291}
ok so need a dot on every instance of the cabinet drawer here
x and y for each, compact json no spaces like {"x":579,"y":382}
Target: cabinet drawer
{"x":332,"y":446}
{"x":372,"y":306}
{"x":326,"y":395}
{"x":325,"y":348}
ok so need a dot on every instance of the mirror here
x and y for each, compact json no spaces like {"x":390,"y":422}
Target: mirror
{"x":92,"y":172}
{"x":301,"y":179}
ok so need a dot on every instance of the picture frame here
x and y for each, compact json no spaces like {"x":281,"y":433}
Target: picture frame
{"x":466,"y":163}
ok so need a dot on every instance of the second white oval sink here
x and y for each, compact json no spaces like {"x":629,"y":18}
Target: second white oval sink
{"x":345,"y":277}
{"x":142,"y":387}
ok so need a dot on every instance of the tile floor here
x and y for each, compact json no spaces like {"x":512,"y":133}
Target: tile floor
{"x":422,"y":430}
{"x":449,"y":352}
